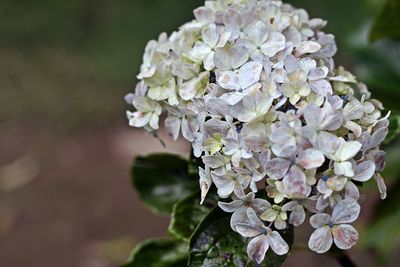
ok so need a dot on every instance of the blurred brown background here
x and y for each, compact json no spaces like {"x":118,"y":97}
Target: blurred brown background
{"x":66,"y":149}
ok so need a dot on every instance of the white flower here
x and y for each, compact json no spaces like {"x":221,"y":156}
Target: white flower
{"x":148,"y":112}
{"x":336,"y":228}
{"x":205,"y":50}
{"x":276,"y":215}
{"x":239,"y":208}
{"x":246,"y":76}
{"x":346,"y":150}
{"x":162,"y":86}
{"x":263,"y":238}
{"x":252,"y":85}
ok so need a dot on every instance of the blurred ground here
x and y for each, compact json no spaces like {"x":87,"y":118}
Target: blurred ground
{"x":65,"y":149}
{"x":72,"y":204}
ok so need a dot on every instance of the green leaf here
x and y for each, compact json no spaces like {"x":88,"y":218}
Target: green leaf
{"x":161,"y":180}
{"x":214,"y":244}
{"x":387,"y":24}
{"x":188,"y":213}
{"x":394,"y":128}
{"x":159,"y":253}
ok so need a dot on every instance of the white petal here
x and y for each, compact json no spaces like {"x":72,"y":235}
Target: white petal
{"x":346,"y":211}
{"x":319,"y":220}
{"x":222,"y":59}
{"x":295,"y":184}
{"x":260,"y":205}
{"x":154,"y":121}
{"x":257,"y":248}
{"x":173,"y":126}
{"x":204,"y":14}
{"x":231,"y":206}
{"x":345,"y":236}
{"x":344,"y":168}
{"x":337,"y":183}
{"x":239,"y":216}
{"x":187,"y":133}
{"x":351,"y":191}
{"x":354,"y":127}
{"x":318,"y":73}
{"x":313,"y":115}
{"x":353,"y":110}
{"x":327,"y":142}
{"x":381,"y":185}
{"x":210,"y":35}
{"x":364,"y":171}
{"x":138,"y":119}
{"x":199,"y":51}
{"x":311,"y":159}
{"x":321,"y":87}
{"x":297,"y":216}
{"x":224,"y":184}
{"x":321,"y":240}
{"x":274,"y":44}
{"x":239,"y":56}
{"x":249,"y":74}
{"x":205,"y":183}
{"x":214,"y":161}
{"x":307,"y":47}
{"x":257,"y":32}
{"x":248,"y":230}
{"x":347,"y":150}
{"x":277,"y":243}
{"x":228,"y":80}
{"x":277,"y":168}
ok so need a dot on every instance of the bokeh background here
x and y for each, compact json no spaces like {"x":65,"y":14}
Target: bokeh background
{"x":66,"y":149}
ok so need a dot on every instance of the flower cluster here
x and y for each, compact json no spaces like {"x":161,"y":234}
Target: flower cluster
{"x":253,"y":86}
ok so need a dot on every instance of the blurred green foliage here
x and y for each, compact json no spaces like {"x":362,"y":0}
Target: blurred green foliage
{"x":71,"y":62}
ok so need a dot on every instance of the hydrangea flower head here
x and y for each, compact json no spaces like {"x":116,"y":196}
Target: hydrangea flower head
{"x":252,"y":85}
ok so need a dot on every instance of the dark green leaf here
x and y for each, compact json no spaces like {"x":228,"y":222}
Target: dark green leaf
{"x":162,"y":180}
{"x":387,"y":24}
{"x":394,"y":128}
{"x":214,"y":244}
{"x":188,"y":213}
{"x":159,"y":253}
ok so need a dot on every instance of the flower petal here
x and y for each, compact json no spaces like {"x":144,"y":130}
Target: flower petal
{"x":257,"y":248}
{"x":347,"y":150}
{"x":344,"y":235}
{"x":346,"y":211}
{"x":274,"y":44}
{"x":297,"y":216}
{"x":307,"y":47}
{"x":224,"y":184}
{"x":277,"y":243}
{"x":321,"y":87}
{"x":321,"y":240}
{"x":228,"y":80}
{"x":311,"y":159}
{"x":173,"y":126}
{"x":364,"y":171}
{"x":277,"y":168}
{"x":205,"y":183}
{"x":319,"y":220}
{"x":295,"y":183}
{"x":231,"y":206}
{"x":248,"y":230}
{"x":249,"y":74}
{"x":344,"y":168}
